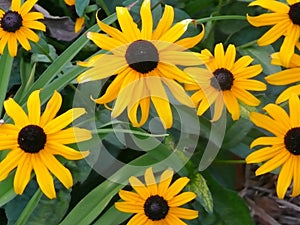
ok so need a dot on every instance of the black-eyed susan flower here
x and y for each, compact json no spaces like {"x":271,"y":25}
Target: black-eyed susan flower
{"x":16,"y":26}
{"x":143,"y":60}
{"x":35,"y":139}
{"x":227,"y":82}
{"x":80,"y":20}
{"x":157,"y":203}
{"x":287,"y":76}
{"x":282,"y":149}
{"x":286,"y":22}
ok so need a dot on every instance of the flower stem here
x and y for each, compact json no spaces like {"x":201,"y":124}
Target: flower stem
{"x":225,"y":17}
{"x":6,"y":62}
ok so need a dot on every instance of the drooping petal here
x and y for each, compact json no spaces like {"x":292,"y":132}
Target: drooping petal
{"x":23,"y":174}
{"x":190,"y":42}
{"x":285,"y":177}
{"x":56,"y":168}
{"x":294,"y":107}
{"x":286,"y":94}
{"x":43,"y":176}
{"x":273,"y":34}
{"x":176,"y":31}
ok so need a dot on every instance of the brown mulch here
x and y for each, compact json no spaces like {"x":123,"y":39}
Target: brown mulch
{"x":260,"y":194}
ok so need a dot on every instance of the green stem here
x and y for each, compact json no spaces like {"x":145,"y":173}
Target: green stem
{"x":124,"y":131}
{"x":6,"y":62}
{"x":225,"y":17}
{"x":26,"y":213}
{"x":248,"y":44}
{"x":230,"y":161}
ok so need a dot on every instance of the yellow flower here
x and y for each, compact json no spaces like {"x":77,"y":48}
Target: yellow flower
{"x":286,"y":22}
{"x":228,"y":82}
{"x":16,"y":26}
{"x":156,"y":204}
{"x":281,"y":150}
{"x":286,"y":76}
{"x":143,"y":61}
{"x":35,"y":139}
{"x":79,"y":21}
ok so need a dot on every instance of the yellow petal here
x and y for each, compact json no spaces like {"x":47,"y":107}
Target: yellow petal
{"x":128,"y":26}
{"x":23,"y":174}
{"x":273,"y":163}
{"x":273,"y":34}
{"x":271,"y":5}
{"x":139,"y":218}
{"x":176,"y":187}
{"x":63,"y":120}
{"x":16,"y":112}
{"x":129,"y":196}
{"x":15,"y":5}
{"x":248,"y":72}
{"x":232,"y":105}
{"x":296,"y":177}
{"x":176,"y":31}
{"x":173,"y":219}
{"x":22,"y":40}
{"x":229,"y":57}
{"x":180,"y":58}
{"x":253,"y":85}
{"x":182,"y":213}
{"x":266,"y":141}
{"x":29,"y":34}
{"x":181,"y":199}
{"x":128,"y":207}
{"x":264,"y":154}
{"x":286,"y":94}
{"x":288,"y":45}
{"x":70,"y":135}
{"x":285,"y":177}
{"x":267,"y":19}
{"x":56,"y":168}
{"x":34,"y":107}
{"x":294,"y":108}
{"x":245,"y":96}
{"x":51,"y":109}
{"x":150,"y":181}
{"x":10,"y":162}
{"x":147,"y":21}
{"x":103,"y":41}
{"x":12,"y":44}
{"x":34,"y":25}
{"x":280,"y":115}
{"x":139,"y":187}
{"x":65,"y":151}
{"x":165,"y":181}
{"x":165,"y":22}
{"x":27,"y":6}
{"x":219,"y":55}
{"x":266,"y":123}
{"x":79,"y":24}
{"x":190,"y":42}
{"x":43,"y":176}
{"x":160,"y":101}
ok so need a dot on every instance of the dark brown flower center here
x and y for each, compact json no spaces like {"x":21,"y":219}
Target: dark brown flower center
{"x":294,"y":13}
{"x":142,"y":56}
{"x":222,"y":80}
{"x":156,"y":208}
{"x":11,"y":21}
{"x":292,"y":141}
{"x":32,"y":139}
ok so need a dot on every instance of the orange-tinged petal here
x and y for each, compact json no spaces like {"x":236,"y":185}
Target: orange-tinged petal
{"x":23,"y":174}
{"x":285,"y":177}
{"x":165,"y":22}
{"x":272,"y":5}
{"x":232,"y":105}
{"x":70,"y":135}
{"x":16,"y":112}
{"x":182,"y":213}
{"x":51,"y":109}
{"x":139,"y":219}
{"x":263,"y":154}
{"x":147,"y":21}
{"x":181,"y":199}
{"x":34,"y":107}
{"x":176,"y":31}
{"x":190,"y":42}
{"x":273,"y":34}
{"x":176,"y":187}
{"x":165,"y":181}
{"x":294,"y":108}
{"x":65,"y":151}
{"x":79,"y":24}
{"x":27,"y":6}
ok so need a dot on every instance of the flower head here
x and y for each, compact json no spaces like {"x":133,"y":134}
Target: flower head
{"x":228,"y":82}
{"x":281,"y":150}
{"x":287,"y":76}
{"x":157,"y":203}
{"x":286,"y":22}
{"x":143,"y":61}
{"x":35,"y":139}
{"x":16,"y":26}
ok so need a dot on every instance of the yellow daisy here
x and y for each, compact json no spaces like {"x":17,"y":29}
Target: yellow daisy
{"x":16,"y":26}
{"x":286,"y":21}
{"x":281,"y":150}
{"x":35,"y":139}
{"x":286,"y":76}
{"x":143,"y":60}
{"x":228,"y":82}
{"x":156,"y":204}
{"x":79,"y":21}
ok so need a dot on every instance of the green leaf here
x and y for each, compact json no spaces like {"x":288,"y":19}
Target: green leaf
{"x":198,"y":185}
{"x":7,"y":192}
{"x":229,"y":207}
{"x":80,"y":6}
